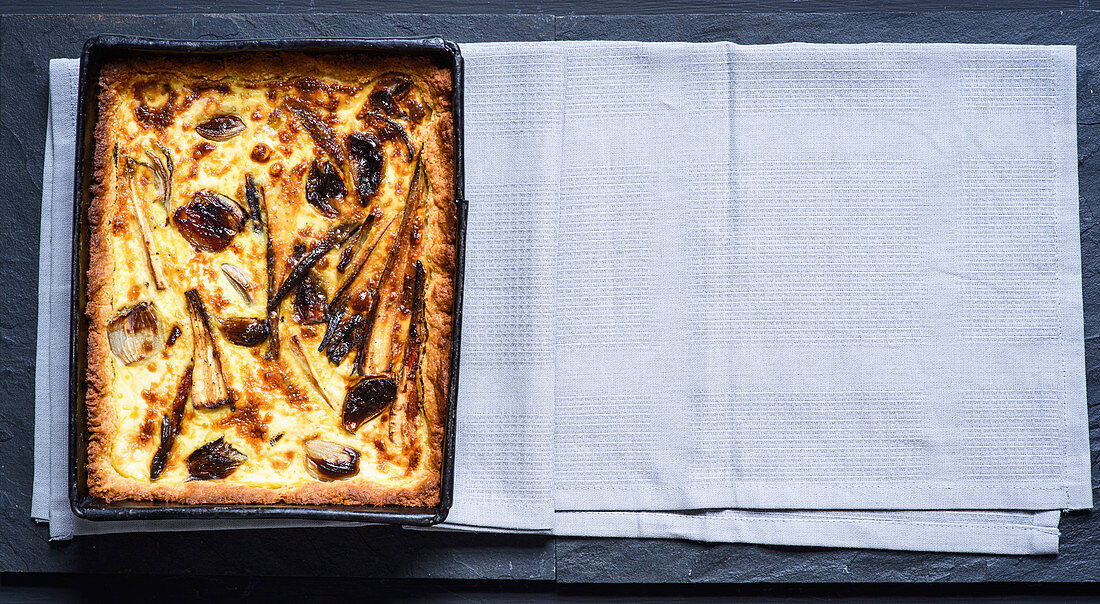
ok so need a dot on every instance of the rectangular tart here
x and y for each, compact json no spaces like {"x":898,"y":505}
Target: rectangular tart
{"x":270,"y":282}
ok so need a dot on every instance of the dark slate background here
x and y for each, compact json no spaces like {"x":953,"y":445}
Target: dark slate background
{"x":27,"y":42}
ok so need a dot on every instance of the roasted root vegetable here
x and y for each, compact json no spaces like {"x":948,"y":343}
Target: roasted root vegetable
{"x":208,"y":390}
{"x":155,"y":268}
{"x":170,"y":426}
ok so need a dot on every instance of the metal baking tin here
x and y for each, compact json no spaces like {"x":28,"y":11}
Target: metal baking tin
{"x":102,"y":48}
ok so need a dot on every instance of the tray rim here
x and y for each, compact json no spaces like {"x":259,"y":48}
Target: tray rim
{"x":84,"y":505}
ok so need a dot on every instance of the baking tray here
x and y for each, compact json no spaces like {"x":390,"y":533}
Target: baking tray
{"x":96,"y":52}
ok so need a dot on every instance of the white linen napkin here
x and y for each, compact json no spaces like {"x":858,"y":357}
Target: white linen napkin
{"x":614,"y":151}
{"x":845,"y":275}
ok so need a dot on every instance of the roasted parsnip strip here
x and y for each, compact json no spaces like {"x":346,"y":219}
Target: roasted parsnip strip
{"x":143,"y":226}
{"x":318,"y":130}
{"x":209,"y":389}
{"x":412,"y":200}
{"x":170,"y":426}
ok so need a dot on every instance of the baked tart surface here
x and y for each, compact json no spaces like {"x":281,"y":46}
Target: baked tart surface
{"x":270,"y":279}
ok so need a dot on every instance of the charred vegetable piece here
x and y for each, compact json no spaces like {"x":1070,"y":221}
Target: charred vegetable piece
{"x":252,"y":196}
{"x":340,"y":298}
{"x":241,"y":281}
{"x":322,"y":185}
{"x":220,"y":128}
{"x":335,"y":315}
{"x":209,"y":390}
{"x":300,"y":353}
{"x":173,"y":336}
{"x":170,"y":427}
{"x":244,"y":331}
{"x":316,"y":127}
{"x":134,"y":333}
{"x":354,"y":244}
{"x":179,"y":406}
{"x":327,"y":460}
{"x":366,"y":155}
{"x":214,"y":460}
{"x":272,"y":351}
{"x":367,"y":399}
{"x":360,"y":351}
{"x":388,"y":129}
{"x":274,"y":439}
{"x":416,"y":335}
{"x":209,"y":221}
{"x":310,"y":305}
{"x":167,"y":439}
{"x":346,"y":337}
{"x":334,"y":331}
{"x":336,"y":236}
{"x":143,"y":225}
{"x":389,"y":90}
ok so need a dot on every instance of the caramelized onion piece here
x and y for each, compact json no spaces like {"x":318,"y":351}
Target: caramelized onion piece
{"x":220,"y":128}
{"x":163,"y":169}
{"x":134,"y":333}
{"x":327,"y":460}
{"x":208,"y":390}
{"x":365,"y":151}
{"x":310,"y":304}
{"x":209,"y":221}
{"x":323,"y":184}
{"x":367,"y":399}
{"x":300,"y":353}
{"x":214,"y":460}
{"x":388,"y":130}
{"x":244,"y":331}
{"x":241,"y":281}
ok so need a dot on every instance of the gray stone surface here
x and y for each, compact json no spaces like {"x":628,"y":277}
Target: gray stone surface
{"x":28,"y":43}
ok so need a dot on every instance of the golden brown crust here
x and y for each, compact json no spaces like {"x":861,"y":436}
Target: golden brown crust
{"x":437,"y":252}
